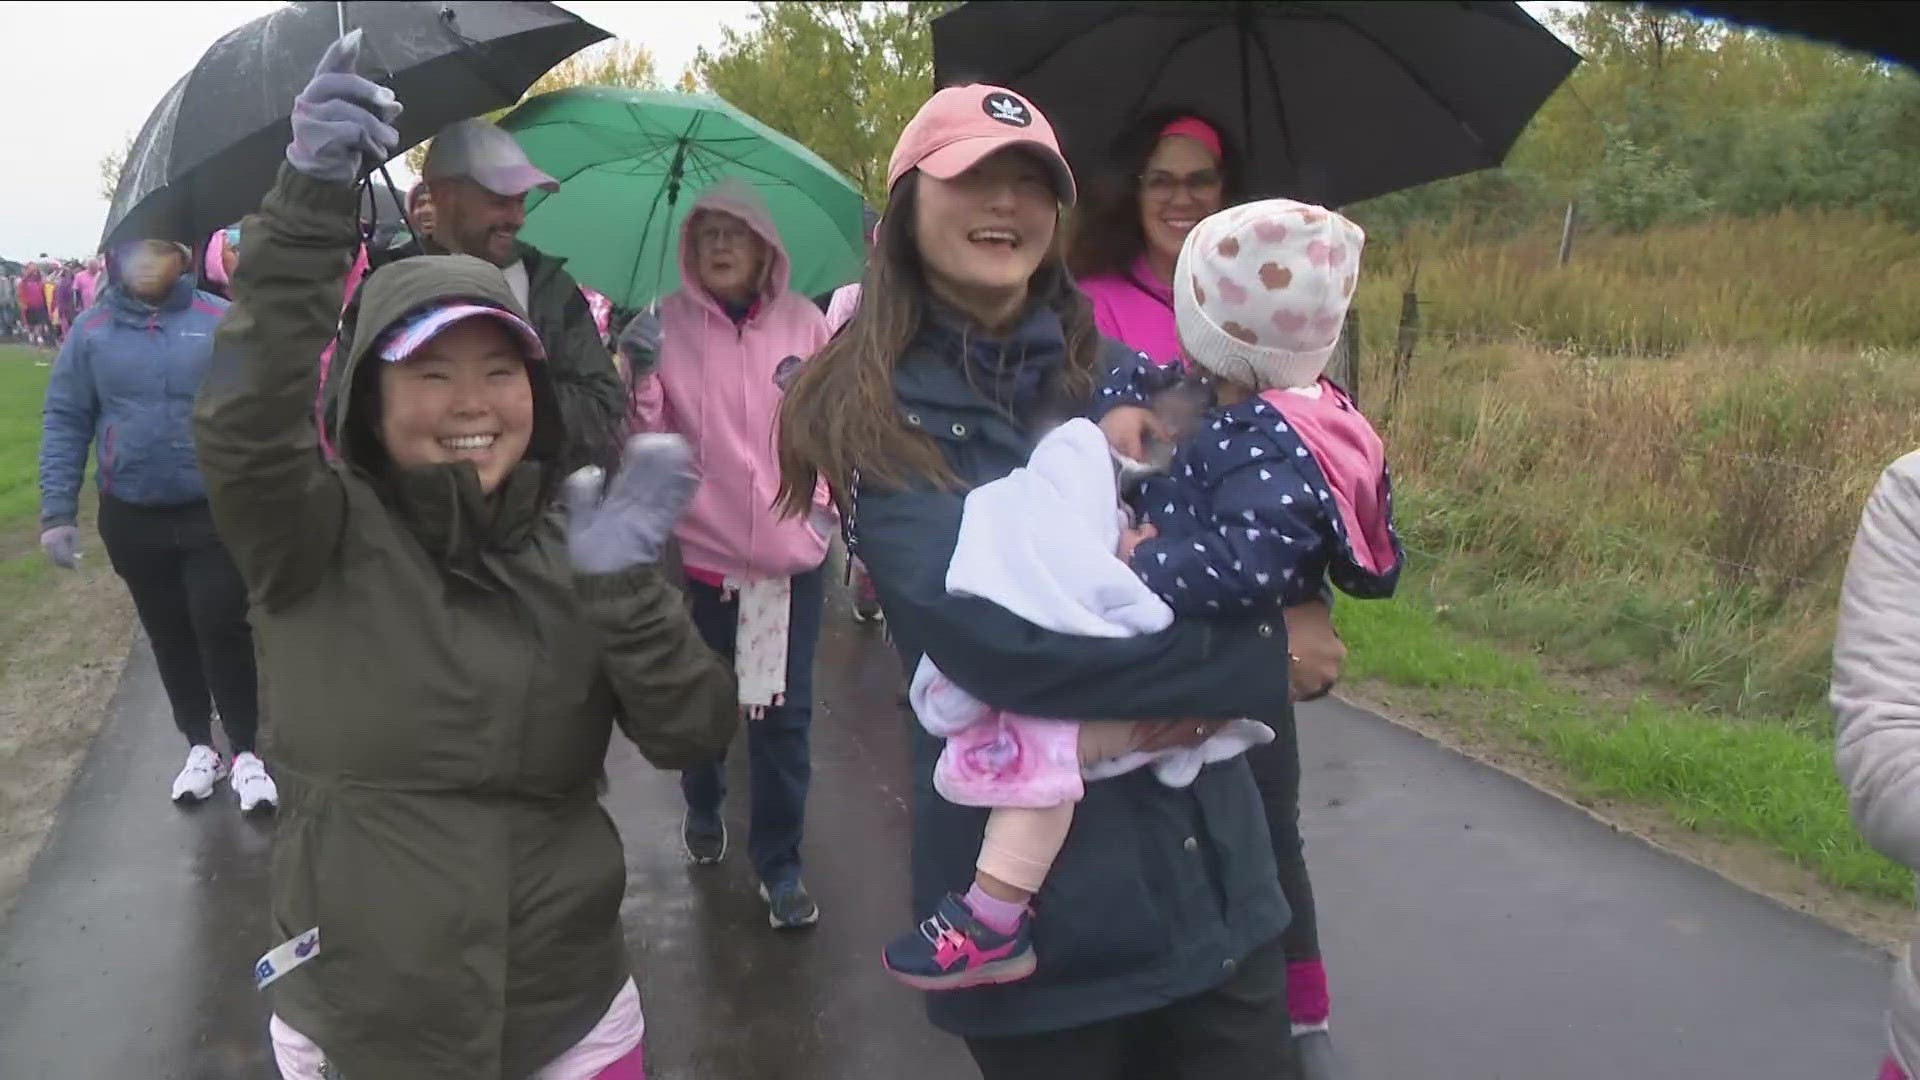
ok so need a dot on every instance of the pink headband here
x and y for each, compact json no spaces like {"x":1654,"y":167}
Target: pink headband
{"x":1199,"y":131}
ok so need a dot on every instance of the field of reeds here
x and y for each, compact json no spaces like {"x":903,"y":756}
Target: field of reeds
{"x":1643,"y":471}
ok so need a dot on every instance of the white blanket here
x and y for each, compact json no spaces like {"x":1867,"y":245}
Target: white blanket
{"x":1043,"y":542}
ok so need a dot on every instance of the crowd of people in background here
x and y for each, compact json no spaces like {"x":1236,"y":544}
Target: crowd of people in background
{"x":40,"y":301}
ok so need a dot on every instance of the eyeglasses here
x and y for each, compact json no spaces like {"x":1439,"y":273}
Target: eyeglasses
{"x":721,"y":234}
{"x":1205,"y":184}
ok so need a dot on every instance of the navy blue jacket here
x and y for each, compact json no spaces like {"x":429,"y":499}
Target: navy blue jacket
{"x":1245,"y":518}
{"x":1160,"y":891}
{"x":124,"y":384}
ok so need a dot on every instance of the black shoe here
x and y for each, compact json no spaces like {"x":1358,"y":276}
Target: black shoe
{"x":704,"y":835}
{"x":1316,"y":1056}
{"x":789,"y":907}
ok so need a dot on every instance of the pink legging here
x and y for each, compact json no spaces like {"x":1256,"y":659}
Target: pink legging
{"x":1891,"y":1070}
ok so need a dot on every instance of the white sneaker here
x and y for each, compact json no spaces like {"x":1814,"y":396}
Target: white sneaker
{"x":203,"y":770}
{"x":252,"y":784}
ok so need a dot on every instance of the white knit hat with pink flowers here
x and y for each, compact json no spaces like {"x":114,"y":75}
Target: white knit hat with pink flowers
{"x":1262,"y":289}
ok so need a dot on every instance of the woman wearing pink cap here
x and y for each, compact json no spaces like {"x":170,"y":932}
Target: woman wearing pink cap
{"x":1160,"y":920}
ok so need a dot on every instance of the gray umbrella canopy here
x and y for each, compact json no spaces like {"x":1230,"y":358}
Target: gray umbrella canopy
{"x":1330,"y":103}
{"x":209,"y":150}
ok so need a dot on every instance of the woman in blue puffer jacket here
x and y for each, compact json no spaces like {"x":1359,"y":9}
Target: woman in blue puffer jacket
{"x":123,"y":386}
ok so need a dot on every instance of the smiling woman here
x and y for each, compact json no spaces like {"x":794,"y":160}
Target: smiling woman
{"x":455,"y":388}
{"x":969,"y":344}
{"x":1170,"y":169}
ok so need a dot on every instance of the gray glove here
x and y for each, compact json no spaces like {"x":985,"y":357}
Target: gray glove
{"x":62,"y":545}
{"x":628,"y":524}
{"x":639,"y":343}
{"x":341,"y":119}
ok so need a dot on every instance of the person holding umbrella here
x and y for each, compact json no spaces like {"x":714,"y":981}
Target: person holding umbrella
{"x":1161,"y":916}
{"x":121,"y":385}
{"x":730,"y":336}
{"x":1174,"y":169}
{"x":478,"y":178}
{"x":446,"y":659}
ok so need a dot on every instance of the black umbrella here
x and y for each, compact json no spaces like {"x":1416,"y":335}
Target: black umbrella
{"x":1329,"y":102}
{"x":210,"y":149}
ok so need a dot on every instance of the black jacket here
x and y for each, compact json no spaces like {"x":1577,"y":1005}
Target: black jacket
{"x":1159,"y":891}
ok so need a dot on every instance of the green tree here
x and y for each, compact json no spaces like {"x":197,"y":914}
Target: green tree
{"x":610,"y":63}
{"x":112,"y":164}
{"x":1635,"y":188}
{"x":842,"y":78}
{"x":1668,"y":114}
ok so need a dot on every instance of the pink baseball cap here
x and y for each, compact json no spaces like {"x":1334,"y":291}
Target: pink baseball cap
{"x":413,"y":333}
{"x":959,"y":126}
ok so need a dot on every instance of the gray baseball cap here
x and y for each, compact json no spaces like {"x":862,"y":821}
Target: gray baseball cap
{"x":485,"y":153}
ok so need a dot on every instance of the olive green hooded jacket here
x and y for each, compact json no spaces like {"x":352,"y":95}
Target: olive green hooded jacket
{"x":442,"y":686}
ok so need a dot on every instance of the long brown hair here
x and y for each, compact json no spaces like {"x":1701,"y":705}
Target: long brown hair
{"x":841,"y":416}
{"x":1106,"y":236}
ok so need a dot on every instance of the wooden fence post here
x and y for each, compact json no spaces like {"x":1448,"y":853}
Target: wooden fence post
{"x":1566,"y":236}
{"x":1344,"y":367}
{"x":1409,"y":337}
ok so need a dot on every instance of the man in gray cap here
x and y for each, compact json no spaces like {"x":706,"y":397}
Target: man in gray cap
{"x":477,"y":178}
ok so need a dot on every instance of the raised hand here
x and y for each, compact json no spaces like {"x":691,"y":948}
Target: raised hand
{"x":617,"y":526}
{"x":341,"y":119}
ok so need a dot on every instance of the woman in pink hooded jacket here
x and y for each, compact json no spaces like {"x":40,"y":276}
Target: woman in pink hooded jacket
{"x":732,"y":337}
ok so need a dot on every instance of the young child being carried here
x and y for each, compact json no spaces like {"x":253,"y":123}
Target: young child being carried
{"x":1275,"y":483}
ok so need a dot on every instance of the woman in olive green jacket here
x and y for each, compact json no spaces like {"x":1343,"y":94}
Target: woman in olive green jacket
{"x":445,"y":658}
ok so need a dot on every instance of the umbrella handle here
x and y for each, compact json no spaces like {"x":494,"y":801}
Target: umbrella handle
{"x":405,"y":218}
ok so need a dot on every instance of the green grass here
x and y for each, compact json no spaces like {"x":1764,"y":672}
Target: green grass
{"x":23,"y":385}
{"x":1769,"y":782}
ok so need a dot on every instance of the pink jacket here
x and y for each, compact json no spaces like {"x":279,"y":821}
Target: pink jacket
{"x":840,"y":309}
{"x":1136,"y":310}
{"x":715,"y":386}
{"x":86,"y":284}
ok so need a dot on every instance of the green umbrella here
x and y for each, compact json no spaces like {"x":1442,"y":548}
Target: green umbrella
{"x":630,"y":165}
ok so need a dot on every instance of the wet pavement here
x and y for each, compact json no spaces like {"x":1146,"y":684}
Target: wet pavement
{"x":1475,"y":928}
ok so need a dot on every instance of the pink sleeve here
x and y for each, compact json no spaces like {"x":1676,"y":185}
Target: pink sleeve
{"x":650,"y":405}
{"x":841,"y":308}
{"x":601,"y":307}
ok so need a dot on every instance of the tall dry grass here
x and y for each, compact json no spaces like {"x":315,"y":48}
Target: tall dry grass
{"x":1806,"y":278}
{"x":1655,"y":457}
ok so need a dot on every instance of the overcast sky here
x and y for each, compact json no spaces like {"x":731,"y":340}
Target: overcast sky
{"x":78,"y":77}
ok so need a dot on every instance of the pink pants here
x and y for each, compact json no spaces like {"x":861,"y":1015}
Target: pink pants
{"x":611,"y":1051}
{"x":1891,"y":1070}
{"x":1022,"y":842}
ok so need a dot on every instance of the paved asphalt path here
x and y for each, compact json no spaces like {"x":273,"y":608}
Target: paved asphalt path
{"x":1475,"y":928}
